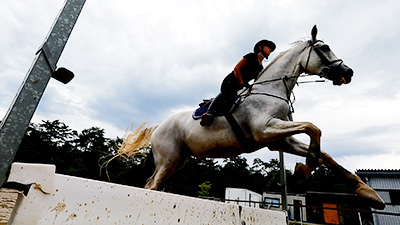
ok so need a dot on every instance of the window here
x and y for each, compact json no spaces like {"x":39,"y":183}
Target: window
{"x":272,"y":202}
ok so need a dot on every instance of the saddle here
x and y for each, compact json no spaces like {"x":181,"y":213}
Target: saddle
{"x":226,"y":111}
{"x":228,"y":106}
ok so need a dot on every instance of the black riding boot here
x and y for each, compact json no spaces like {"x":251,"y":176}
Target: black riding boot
{"x":208,"y":118}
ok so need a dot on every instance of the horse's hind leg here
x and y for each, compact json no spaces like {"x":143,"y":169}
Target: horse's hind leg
{"x":158,"y":178}
{"x":362,"y":189}
{"x":367,"y":194}
{"x":166,"y":164}
{"x":293,"y":146}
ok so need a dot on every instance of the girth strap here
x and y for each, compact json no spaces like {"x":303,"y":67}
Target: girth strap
{"x":237,"y":130}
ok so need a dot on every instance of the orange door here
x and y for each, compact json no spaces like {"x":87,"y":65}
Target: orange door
{"x":331,"y":216}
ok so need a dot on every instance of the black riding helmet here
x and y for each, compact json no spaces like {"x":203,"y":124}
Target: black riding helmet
{"x":263,"y":43}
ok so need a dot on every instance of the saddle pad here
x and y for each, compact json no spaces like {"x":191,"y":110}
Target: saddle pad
{"x":203,"y":107}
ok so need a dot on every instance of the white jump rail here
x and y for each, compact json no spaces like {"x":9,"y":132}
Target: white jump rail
{"x":60,"y":199}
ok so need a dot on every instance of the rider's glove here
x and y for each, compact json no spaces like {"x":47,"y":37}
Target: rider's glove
{"x":246,"y":85}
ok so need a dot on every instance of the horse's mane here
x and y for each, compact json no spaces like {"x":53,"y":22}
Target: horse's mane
{"x":294,"y":44}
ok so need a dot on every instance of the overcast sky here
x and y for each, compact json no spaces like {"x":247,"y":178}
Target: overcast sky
{"x":140,"y":61}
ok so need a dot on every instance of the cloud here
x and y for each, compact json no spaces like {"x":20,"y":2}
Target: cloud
{"x":143,"y":61}
{"x":371,"y":161}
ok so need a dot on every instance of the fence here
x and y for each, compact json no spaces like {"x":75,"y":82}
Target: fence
{"x":304,"y":208}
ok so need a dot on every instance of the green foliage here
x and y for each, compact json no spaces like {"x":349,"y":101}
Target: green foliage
{"x":204,"y":189}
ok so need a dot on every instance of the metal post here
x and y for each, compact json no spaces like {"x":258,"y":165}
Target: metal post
{"x":301,"y":213}
{"x":17,"y":119}
{"x":283,"y":181}
{"x":283,"y":175}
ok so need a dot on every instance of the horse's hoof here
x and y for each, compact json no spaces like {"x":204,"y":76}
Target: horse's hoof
{"x":312,"y":161}
{"x":370,"y":197}
{"x":365,"y":193}
{"x":299,"y":174}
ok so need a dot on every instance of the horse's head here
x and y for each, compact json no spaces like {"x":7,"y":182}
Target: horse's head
{"x":320,"y":60}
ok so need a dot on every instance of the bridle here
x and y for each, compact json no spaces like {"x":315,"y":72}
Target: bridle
{"x":329,"y":65}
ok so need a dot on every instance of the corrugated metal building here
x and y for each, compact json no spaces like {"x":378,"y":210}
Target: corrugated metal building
{"x":387,"y":184}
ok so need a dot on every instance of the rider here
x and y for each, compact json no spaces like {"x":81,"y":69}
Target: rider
{"x":245,"y":70}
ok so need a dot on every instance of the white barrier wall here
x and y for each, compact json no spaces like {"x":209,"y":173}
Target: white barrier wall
{"x":60,"y":199}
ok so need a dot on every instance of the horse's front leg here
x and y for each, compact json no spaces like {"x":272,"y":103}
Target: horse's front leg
{"x":277,"y":129}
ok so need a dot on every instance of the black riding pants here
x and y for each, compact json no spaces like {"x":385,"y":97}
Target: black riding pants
{"x":229,"y":88}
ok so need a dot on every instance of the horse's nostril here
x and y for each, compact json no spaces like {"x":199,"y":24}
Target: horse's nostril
{"x":349,"y":72}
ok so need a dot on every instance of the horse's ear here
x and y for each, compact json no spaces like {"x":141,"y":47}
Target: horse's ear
{"x":314,"y":32}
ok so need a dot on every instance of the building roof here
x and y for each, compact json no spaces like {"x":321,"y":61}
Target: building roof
{"x":381,"y":179}
{"x":377,"y":172}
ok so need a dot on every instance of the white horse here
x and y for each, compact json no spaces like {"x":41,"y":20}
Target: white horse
{"x":263,"y":118}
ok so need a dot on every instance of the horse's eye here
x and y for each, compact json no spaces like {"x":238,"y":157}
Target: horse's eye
{"x":325,"y":48}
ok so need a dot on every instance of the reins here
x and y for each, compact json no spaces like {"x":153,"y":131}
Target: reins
{"x":284,"y":79}
{"x":288,"y":99}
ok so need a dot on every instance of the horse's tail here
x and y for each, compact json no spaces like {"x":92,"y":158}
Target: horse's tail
{"x":140,"y":138}
{"x":131,"y":145}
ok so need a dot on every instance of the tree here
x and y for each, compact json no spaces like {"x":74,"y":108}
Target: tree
{"x":264,"y":168}
{"x":235,"y":173}
{"x":55,"y":132}
{"x":204,"y":189}
{"x":196,"y":171}
{"x":93,"y":140}
{"x":72,"y":153}
{"x":48,"y":142}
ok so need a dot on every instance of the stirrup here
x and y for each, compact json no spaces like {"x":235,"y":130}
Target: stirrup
{"x":206,"y":119}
